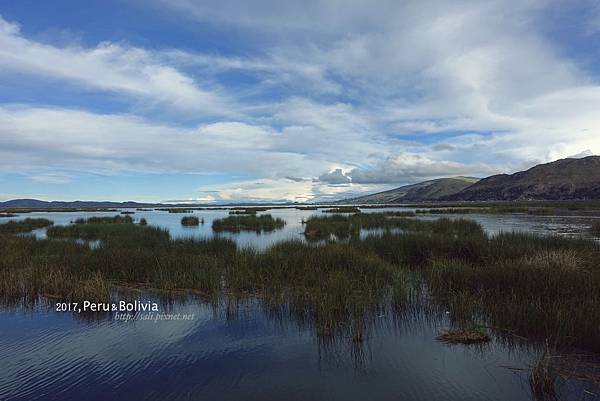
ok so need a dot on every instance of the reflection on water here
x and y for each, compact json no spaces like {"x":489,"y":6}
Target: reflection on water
{"x":49,"y":355}
{"x":244,"y":352}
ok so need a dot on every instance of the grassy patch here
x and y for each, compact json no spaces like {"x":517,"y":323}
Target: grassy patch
{"x":595,"y":228}
{"x":191,"y":221}
{"x":343,"y":209}
{"x":464,"y":336}
{"x":528,"y":286}
{"x":248,"y":223}
{"x":24,"y":226}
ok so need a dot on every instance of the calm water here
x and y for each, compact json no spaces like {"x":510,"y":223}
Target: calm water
{"x":213,"y":355}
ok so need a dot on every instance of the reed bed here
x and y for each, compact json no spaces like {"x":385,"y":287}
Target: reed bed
{"x":24,"y":226}
{"x":537,"y":288}
{"x":343,"y":209}
{"x":190,"y":221}
{"x":261,"y":223}
{"x":595,"y":229}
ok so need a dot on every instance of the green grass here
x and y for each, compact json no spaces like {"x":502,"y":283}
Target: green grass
{"x":255,"y":223}
{"x":24,"y":226}
{"x":191,"y":221}
{"x":533,"y":287}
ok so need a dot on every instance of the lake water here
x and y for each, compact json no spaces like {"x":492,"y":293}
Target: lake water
{"x":250,"y":354}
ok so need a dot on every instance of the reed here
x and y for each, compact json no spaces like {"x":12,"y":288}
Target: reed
{"x":595,"y":229}
{"x":255,"y":223}
{"x":535,"y":287}
{"x":191,"y":221}
{"x":24,"y":226}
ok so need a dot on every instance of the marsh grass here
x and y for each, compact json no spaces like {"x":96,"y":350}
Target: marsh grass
{"x":595,"y":229}
{"x":191,"y":221}
{"x":464,"y":336}
{"x":534,"y":287}
{"x":235,"y":223}
{"x":24,"y":226}
{"x":127,"y":212}
{"x":343,"y":209}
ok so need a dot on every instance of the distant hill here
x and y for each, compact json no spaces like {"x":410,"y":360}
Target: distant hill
{"x":423,"y":191}
{"x":566,"y":179}
{"x":39,"y":204}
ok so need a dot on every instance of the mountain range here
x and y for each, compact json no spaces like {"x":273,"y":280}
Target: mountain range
{"x":565,"y":179}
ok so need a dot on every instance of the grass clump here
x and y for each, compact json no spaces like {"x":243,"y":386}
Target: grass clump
{"x":464,"y":336}
{"x":595,"y":229}
{"x":24,"y":226}
{"x":248,"y":223}
{"x":189,"y":221}
{"x":127,"y":212}
{"x":343,"y":209}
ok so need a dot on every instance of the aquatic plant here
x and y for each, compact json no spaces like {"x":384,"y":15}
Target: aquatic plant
{"x":23,"y":226}
{"x":595,"y":229}
{"x":191,"y":221}
{"x":531,"y":287}
{"x":260,"y":223}
{"x":343,"y":209}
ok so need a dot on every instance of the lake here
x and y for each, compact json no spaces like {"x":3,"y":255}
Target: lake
{"x":244,"y":352}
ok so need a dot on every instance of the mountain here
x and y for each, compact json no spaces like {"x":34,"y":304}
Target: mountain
{"x":566,"y":179}
{"x":423,"y":191}
{"x":38,"y":204}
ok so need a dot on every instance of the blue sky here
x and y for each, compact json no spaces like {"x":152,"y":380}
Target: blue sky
{"x":232,"y":101}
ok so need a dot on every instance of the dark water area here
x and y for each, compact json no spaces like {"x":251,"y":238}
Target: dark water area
{"x":245,"y":352}
{"x":252,"y":356}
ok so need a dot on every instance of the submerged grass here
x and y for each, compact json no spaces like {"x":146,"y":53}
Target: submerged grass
{"x":261,"y":223}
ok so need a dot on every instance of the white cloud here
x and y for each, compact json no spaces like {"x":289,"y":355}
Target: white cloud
{"x":367,"y":95}
{"x":112,"y":67}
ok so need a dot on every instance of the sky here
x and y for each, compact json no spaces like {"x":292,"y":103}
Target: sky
{"x":220,"y":101}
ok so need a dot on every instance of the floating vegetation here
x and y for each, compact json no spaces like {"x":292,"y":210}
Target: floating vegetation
{"x":176,"y":210}
{"x":7,"y":215}
{"x":127,"y":212}
{"x":343,"y":209}
{"x":307,"y":207}
{"x":259,"y":224}
{"x":191,"y":221}
{"x":141,"y":209}
{"x":24,"y":226}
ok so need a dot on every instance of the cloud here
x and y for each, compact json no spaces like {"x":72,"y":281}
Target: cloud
{"x":135,"y":72}
{"x":405,"y":168}
{"x":336,"y":176}
{"x":343,"y":96}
